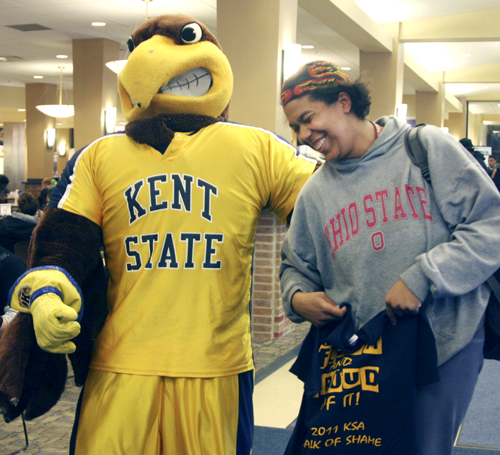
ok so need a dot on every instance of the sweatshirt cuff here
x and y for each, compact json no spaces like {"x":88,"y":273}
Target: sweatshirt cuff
{"x":416,"y":281}
{"x":287,"y":305}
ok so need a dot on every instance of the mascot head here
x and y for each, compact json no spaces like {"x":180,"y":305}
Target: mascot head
{"x":176,"y":66}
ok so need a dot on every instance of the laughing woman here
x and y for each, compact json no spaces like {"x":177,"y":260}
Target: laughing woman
{"x":369,"y":230}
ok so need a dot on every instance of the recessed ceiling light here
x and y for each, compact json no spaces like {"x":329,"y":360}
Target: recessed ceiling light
{"x":21,"y":110}
{"x":61,"y":56}
{"x":37,"y":77}
{"x":98,"y":24}
{"x":307,"y":46}
{"x":466,"y":55}
{"x":345,"y":68}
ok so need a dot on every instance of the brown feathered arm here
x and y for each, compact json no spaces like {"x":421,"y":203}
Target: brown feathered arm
{"x":67,"y":240}
{"x":33,"y":380}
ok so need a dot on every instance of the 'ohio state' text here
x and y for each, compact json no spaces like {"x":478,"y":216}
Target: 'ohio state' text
{"x":378,"y":208}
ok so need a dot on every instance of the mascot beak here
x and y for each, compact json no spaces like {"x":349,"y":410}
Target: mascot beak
{"x":163,"y":77}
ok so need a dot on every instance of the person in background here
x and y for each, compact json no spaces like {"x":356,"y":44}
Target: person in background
{"x":368,"y":229}
{"x":44,"y":196}
{"x":46,"y":182}
{"x":4,"y":181}
{"x":19,"y":226}
{"x":493,"y":166}
{"x":467,"y":143}
{"x":492,"y":161}
{"x":11,"y":268}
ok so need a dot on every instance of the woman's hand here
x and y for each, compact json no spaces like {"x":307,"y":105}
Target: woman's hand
{"x":400,"y":301}
{"x":317,"y":308}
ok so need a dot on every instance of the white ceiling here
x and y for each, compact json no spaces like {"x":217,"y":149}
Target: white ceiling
{"x":433,"y":57}
{"x":33,"y":53}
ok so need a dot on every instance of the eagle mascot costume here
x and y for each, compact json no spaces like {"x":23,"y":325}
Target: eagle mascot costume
{"x":141,"y":265}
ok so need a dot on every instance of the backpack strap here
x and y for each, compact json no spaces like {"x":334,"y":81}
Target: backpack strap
{"x":494,"y":283}
{"x":416,"y":150}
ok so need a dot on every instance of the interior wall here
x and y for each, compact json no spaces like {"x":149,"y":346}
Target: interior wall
{"x":474,"y":128}
{"x":456,"y":124}
{"x":409,"y":100}
{"x":40,"y":158}
{"x":63,"y":136}
{"x":14,"y":162}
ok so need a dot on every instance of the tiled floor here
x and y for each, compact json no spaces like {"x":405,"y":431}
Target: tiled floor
{"x":277,"y":398}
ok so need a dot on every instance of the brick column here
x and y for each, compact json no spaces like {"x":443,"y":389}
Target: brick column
{"x":268,"y":318}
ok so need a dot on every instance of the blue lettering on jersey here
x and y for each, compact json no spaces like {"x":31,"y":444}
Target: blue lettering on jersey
{"x":137,"y":265}
{"x":208,"y":189}
{"x":154,"y":192}
{"x":210,"y":250}
{"x":135,"y":209}
{"x":182,"y":195}
{"x":150,"y":240}
{"x":168,"y":257}
{"x":182,"y":192}
{"x":190,"y":238}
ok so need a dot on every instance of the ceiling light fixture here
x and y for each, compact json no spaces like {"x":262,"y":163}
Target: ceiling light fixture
{"x":117,"y":65}
{"x":99,"y":24}
{"x":61,"y":56}
{"x":58,"y":110}
{"x":307,"y":46}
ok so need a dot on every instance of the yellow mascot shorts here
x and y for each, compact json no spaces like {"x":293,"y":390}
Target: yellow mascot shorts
{"x":123,"y":414}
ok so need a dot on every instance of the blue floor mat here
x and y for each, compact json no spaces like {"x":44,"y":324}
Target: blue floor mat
{"x":273,"y":441}
{"x":482,"y":423}
{"x":270,"y":441}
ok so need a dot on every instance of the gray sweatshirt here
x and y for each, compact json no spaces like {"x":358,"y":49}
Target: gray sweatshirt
{"x":361,"y":224}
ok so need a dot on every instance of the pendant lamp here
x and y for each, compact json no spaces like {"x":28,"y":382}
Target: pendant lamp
{"x":58,"y":110}
{"x":117,"y":65}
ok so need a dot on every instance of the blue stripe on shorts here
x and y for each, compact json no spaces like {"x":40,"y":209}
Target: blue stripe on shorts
{"x":244,"y":437}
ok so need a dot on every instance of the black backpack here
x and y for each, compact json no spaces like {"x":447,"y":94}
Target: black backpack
{"x":418,"y":154}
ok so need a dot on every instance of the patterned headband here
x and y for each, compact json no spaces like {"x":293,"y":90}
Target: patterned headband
{"x":310,"y":77}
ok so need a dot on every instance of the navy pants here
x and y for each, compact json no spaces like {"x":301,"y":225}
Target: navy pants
{"x":441,"y":407}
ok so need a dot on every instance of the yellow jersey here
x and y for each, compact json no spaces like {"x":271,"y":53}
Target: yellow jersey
{"x":178,"y":232}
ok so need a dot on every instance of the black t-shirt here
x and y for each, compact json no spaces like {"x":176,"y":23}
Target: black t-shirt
{"x":11,"y":268}
{"x":361,"y":399}
{"x":14,"y":230}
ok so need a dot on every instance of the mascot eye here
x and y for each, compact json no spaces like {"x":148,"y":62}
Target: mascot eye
{"x":131,"y":44}
{"x":191,"y":33}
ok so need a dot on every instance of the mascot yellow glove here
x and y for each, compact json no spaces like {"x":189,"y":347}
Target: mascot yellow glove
{"x":55,"y":301}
